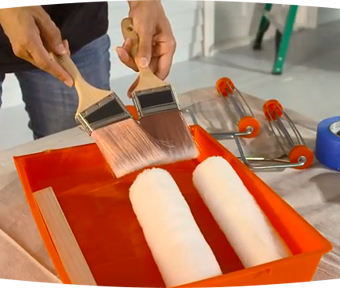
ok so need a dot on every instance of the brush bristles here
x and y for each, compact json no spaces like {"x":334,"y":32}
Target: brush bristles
{"x":173,"y":134}
{"x":127,"y":147}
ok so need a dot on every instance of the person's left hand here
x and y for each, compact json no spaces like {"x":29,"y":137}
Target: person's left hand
{"x":157,"y":43}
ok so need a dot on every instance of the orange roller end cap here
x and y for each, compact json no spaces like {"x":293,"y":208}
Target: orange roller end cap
{"x":299,"y":151}
{"x":133,"y":111}
{"x":249,"y":121}
{"x":224,"y":85}
{"x":272,"y":106}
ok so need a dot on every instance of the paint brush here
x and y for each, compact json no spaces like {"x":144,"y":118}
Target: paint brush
{"x":158,"y":108}
{"x":122,"y":141}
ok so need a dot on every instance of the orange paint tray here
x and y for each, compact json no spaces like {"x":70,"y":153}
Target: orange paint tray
{"x":100,"y":215}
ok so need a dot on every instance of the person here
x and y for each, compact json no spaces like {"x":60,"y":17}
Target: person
{"x":29,"y":34}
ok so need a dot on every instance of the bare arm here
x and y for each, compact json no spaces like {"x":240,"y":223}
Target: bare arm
{"x":32,"y":35}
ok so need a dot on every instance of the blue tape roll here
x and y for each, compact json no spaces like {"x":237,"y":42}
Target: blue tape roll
{"x":327,"y":149}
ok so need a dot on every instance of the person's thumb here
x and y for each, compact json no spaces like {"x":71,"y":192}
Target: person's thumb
{"x":144,"y":50}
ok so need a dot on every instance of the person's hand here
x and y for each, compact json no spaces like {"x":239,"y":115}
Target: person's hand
{"x":33,"y":35}
{"x":157,"y":44}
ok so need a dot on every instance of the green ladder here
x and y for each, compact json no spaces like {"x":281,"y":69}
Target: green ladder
{"x":282,"y":39}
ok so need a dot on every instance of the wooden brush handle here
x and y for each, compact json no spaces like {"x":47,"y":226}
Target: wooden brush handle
{"x":129,"y":32}
{"x":88,"y":94}
{"x":147,"y":79}
{"x":66,"y":62}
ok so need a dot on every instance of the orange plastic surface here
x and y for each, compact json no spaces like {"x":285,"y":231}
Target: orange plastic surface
{"x":225,"y":85}
{"x":249,"y":121}
{"x":272,"y":106}
{"x":133,"y":111}
{"x":100,"y":215}
{"x":299,"y":151}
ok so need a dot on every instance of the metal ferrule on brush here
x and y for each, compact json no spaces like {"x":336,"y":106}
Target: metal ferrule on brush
{"x":107,"y":111}
{"x":155,"y":100}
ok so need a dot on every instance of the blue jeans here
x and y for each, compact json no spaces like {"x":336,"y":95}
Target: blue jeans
{"x":50,"y":104}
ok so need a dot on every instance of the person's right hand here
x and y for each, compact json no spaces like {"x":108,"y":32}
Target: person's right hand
{"x":33,"y":35}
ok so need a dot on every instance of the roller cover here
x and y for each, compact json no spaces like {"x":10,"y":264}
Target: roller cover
{"x":178,"y":247}
{"x":246,"y":227}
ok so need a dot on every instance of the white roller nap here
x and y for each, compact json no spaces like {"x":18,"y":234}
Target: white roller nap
{"x":246,"y":227}
{"x":176,"y":242}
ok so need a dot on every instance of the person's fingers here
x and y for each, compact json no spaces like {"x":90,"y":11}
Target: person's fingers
{"x":42,"y":59}
{"x":50,"y":34}
{"x":164,"y":51}
{"x":123,"y":55}
{"x":22,"y":53}
{"x":145,"y":46}
{"x":154,"y":65}
{"x":157,"y":65}
{"x":164,"y":65}
{"x":158,"y":50}
{"x":125,"y":58}
{"x":127,"y":45}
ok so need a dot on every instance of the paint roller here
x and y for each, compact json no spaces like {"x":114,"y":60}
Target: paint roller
{"x":237,"y":213}
{"x":178,"y":247}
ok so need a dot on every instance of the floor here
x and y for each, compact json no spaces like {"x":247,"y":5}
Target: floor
{"x":310,"y":82}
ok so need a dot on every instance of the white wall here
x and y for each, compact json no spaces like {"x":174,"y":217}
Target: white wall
{"x":186,"y":20}
{"x":236,"y":23}
{"x":327,"y":15}
{"x":233,"y":21}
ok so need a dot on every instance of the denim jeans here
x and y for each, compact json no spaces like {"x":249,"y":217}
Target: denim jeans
{"x":50,"y":104}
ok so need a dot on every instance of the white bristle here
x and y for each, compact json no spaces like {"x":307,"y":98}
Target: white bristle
{"x":236,"y":211}
{"x":127,"y":148}
{"x":177,"y":245}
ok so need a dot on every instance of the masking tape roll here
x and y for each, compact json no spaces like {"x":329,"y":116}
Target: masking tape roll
{"x":327,"y":149}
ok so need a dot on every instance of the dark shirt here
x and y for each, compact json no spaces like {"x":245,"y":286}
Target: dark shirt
{"x":79,"y":23}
